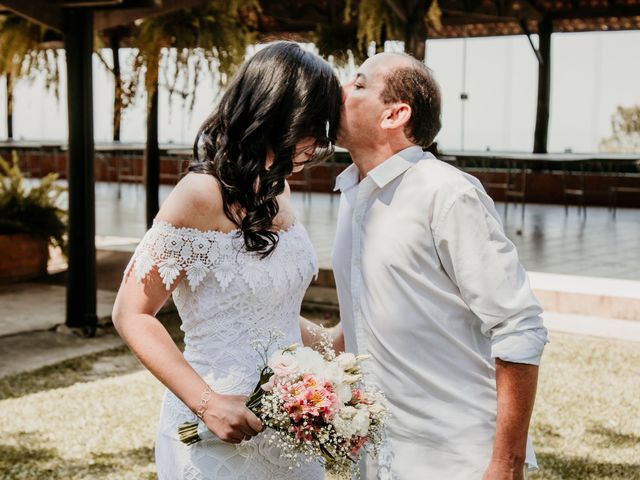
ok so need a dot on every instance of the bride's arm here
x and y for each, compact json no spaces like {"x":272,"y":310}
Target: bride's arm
{"x":311,"y":334}
{"x":134,"y":316}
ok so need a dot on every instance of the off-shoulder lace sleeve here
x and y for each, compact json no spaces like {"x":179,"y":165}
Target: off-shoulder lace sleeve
{"x":175,"y":250}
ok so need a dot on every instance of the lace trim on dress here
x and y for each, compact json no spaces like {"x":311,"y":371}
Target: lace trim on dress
{"x":177,"y":250}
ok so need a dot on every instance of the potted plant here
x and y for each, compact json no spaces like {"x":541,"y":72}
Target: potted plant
{"x":30,"y":220}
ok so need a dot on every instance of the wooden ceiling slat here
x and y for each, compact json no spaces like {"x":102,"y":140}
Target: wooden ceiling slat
{"x":106,"y":3}
{"x":85,"y":3}
{"x":38,"y":11}
{"x":459,"y":17}
{"x":614,"y":11}
{"x":106,"y":19}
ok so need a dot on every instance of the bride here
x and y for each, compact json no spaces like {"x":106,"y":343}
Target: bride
{"x":227,"y":246}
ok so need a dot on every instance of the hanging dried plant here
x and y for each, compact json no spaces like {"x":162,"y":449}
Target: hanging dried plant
{"x":24,"y":55}
{"x":179,"y":48}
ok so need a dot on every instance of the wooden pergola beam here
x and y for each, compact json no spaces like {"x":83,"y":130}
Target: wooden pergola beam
{"x":457,"y":17}
{"x":528,"y":10}
{"x":527,"y":32}
{"x":607,"y":12}
{"x":37,"y":11}
{"x":106,"y":19}
{"x":96,"y":4}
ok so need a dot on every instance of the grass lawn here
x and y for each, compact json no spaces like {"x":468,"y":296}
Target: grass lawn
{"x":95,"y":417}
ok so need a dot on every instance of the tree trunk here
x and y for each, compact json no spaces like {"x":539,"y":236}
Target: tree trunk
{"x":416,"y":32}
{"x":383,"y":39}
{"x":9,"y":106}
{"x":152,"y":157}
{"x":114,"y":44}
{"x":545,"y":29}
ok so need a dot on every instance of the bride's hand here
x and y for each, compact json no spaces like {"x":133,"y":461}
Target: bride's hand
{"x":229,"y":418}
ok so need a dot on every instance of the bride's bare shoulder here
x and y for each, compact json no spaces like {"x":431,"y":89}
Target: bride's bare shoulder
{"x":194,"y":202}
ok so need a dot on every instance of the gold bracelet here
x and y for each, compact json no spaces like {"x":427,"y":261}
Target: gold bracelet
{"x":204,"y":400}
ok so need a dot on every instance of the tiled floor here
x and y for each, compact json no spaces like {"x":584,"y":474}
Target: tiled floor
{"x":547,"y":239}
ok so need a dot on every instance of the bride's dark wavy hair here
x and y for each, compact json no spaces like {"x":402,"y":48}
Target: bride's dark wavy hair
{"x":279,"y":97}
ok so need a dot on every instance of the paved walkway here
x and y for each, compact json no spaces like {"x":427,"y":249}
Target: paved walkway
{"x":32,"y":335}
{"x":29,"y":307}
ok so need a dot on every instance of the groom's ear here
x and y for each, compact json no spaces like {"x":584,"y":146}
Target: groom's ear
{"x":396,"y":116}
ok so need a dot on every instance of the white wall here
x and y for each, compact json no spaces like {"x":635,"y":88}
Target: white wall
{"x":592,"y":73}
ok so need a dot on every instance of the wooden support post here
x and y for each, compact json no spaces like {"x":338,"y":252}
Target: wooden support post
{"x":114,"y":45}
{"x":9,"y":79}
{"x":81,"y":279}
{"x":152,"y":159}
{"x":545,"y":29}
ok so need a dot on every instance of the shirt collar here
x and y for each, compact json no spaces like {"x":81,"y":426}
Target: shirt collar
{"x":396,"y":165}
{"x":347,"y":179}
{"x":384,"y":173}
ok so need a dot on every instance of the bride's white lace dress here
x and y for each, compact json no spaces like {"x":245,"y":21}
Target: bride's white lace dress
{"x":228,"y":299}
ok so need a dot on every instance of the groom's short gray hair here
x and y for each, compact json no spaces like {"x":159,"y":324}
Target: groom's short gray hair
{"x":415,"y":85}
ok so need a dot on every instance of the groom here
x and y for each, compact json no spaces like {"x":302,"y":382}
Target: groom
{"x":431,"y":288}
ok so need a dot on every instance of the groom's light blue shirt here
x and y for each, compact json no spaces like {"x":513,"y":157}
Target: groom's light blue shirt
{"x":432,"y":288}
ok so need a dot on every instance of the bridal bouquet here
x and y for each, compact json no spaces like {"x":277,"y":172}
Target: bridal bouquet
{"x":317,"y":406}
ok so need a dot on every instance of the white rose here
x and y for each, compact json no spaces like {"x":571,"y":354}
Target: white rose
{"x":348,"y":412}
{"x":343,"y":422}
{"x":343,"y":427}
{"x":343,"y":391}
{"x":283,"y":364}
{"x":347,"y":361}
{"x":361,"y":423}
{"x":310,"y":361}
{"x":333,"y":373}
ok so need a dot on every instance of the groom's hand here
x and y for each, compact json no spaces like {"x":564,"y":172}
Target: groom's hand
{"x":498,"y":470}
{"x":230,"y":419}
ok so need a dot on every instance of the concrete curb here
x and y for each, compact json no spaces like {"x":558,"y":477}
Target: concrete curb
{"x":564,"y":294}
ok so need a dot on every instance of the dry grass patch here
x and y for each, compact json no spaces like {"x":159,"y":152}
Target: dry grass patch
{"x":96,"y":430}
{"x":586,"y":423}
{"x":95,"y":417}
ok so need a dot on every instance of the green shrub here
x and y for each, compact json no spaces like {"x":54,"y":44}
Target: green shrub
{"x":33,"y":210}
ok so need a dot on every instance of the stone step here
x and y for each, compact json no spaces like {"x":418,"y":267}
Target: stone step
{"x":627,"y":330}
{"x":562,"y":294}
{"x":589,"y":296}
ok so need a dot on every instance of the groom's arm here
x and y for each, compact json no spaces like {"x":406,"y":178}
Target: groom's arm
{"x":516,"y":388}
{"x":483,"y":263}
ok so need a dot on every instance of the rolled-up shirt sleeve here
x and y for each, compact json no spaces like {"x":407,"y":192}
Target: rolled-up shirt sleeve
{"x":483,"y":263}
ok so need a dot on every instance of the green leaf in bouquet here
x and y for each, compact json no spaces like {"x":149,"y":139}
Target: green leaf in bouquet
{"x":188,"y":433}
{"x":255,"y":399}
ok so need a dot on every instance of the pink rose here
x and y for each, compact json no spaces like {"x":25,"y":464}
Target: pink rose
{"x":283,"y":364}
